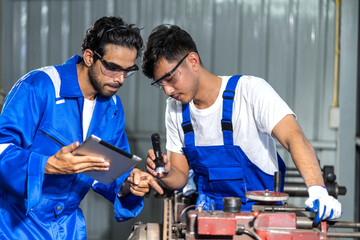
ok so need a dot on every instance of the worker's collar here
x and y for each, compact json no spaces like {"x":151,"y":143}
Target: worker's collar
{"x":69,"y":79}
{"x":70,"y":87}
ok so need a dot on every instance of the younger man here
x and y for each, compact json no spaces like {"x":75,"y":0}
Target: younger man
{"x":224,"y":128}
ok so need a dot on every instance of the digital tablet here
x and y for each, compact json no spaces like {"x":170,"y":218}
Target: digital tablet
{"x":120,"y":161}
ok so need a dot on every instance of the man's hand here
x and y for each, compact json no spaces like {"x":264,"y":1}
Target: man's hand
{"x":319,"y":201}
{"x":150,"y":165}
{"x":139,"y":183}
{"x":64,"y":162}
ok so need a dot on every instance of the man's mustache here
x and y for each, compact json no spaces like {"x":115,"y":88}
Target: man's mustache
{"x":114,"y":85}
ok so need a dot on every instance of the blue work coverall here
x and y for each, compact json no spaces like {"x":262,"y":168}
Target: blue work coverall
{"x":41,"y":114}
{"x":224,"y":170}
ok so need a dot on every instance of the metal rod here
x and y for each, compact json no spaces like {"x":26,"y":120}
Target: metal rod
{"x":304,"y":223}
{"x":273,"y":208}
{"x":295,"y":189}
{"x":335,"y":224}
{"x":307,"y":223}
{"x":344,"y":234}
{"x":300,"y":189}
{"x":277,"y":181}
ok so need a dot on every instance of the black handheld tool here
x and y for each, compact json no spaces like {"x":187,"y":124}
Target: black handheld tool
{"x":159,"y":161}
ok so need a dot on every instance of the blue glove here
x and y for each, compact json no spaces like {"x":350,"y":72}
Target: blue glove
{"x":205,"y":202}
{"x":326,"y":207}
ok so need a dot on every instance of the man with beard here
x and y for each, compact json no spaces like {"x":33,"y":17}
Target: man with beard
{"x":45,"y":116}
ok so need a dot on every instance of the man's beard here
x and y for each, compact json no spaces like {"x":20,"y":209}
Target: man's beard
{"x":95,"y":82}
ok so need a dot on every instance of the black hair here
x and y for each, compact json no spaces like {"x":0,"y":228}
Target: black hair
{"x":112,"y":30}
{"x":168,"y":41}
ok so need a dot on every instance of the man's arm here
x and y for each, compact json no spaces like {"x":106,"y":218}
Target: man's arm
{"x":290,"y":135}
{"x":176,"y":172}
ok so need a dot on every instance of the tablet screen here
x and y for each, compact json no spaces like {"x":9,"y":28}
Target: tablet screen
{"x":120,"y":160}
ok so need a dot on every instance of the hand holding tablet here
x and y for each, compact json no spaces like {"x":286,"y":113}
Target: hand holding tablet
{"x":120,"y":161}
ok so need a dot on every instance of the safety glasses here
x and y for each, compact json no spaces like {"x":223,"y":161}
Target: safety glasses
{"x":115,"y":71}
{"x":161,"y":82}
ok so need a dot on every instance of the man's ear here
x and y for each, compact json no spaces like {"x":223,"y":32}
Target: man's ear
{"x":194,"y":60}
{"x":88,"y":57}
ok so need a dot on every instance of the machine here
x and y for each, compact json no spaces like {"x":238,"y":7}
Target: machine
{"x":268,"y":219}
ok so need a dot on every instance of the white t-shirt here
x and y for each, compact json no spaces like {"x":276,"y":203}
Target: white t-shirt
{"x":88,"y":111}
{"x":257,"y":109}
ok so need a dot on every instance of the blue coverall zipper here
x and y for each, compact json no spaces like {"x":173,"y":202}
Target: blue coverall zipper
{"x":52,"y":138}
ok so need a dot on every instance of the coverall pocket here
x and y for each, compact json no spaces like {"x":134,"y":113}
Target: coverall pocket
{"x":47,"y":141}
{"x":227,"y":181}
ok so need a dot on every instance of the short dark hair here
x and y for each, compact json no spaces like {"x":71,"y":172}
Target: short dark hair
{"x":168,"y":41}
{"x":112,"y":30}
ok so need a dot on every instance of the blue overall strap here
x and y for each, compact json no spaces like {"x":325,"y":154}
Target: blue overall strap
{"x":187,"y":127}
{"x":228,"y":100}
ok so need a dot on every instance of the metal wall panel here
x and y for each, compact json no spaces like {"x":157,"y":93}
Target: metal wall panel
{"x":347,"y":97}
{"x":290,"y":43}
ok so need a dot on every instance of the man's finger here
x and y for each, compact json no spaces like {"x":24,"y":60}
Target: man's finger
{"x":151,"y":154}
{"x":331,"y":214}
{"x":151,"y":171}
{"x":165,"y":159}
{"x":328,"y":211}
{"x":150,"y":163}
{"x":136,"y":192}
{"x":337,"y":210}
{"x":71,"y":147}
{"x":83,"y":167}
{"x":146,"y":181}
{"x":135,"y":176}
{"x":320,"y":212}
{"x":96,"y":161}
{"x":156,"y":186}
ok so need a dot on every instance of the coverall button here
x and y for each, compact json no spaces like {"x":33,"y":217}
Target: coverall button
{"x":120,"y":219}
{"x":58,"y":208}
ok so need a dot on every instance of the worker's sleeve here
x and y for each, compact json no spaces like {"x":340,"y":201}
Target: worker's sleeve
{"x":268,"y":107}
{"x":128,"y":206}
{"x":125,"y":207}
{"x":22,"y":171}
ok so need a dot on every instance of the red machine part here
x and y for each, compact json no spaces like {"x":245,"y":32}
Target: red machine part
{"x":272,"y":226}
{"x":267,"y":226}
